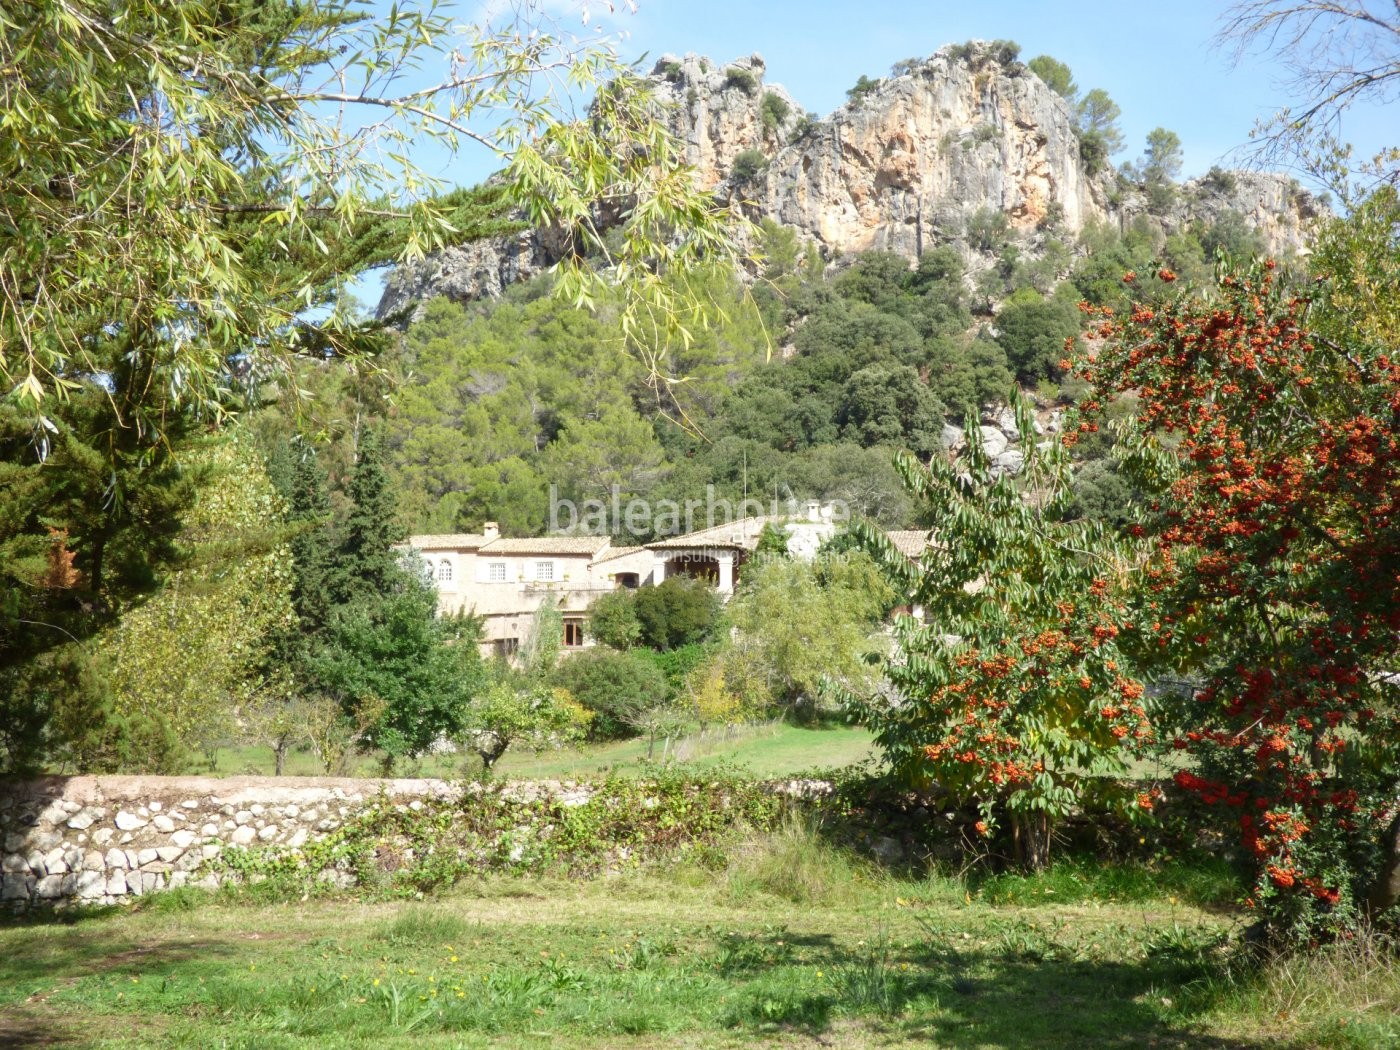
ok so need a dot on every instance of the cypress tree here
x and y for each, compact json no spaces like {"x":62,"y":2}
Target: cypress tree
{"x":366,"y":563}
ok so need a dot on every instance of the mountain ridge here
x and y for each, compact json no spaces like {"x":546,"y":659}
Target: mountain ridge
{"x":904,"y":166}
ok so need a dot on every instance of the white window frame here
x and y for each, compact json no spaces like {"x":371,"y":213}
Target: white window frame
{"x":444,"y":571}
{"x":544,"y":571}
{"x":496,"y":572}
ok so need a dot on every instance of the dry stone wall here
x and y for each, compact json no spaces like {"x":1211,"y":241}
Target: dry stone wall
{"x":105,"y":840}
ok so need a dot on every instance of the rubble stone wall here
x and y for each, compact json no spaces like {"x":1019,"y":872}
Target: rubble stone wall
{"x":104,"y":840}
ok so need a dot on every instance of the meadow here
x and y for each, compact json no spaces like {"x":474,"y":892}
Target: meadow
{"x":790,"y":943}
{"x":769,"y":749}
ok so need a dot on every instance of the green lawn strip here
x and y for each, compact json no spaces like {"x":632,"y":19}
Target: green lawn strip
{"x":765,"y":751}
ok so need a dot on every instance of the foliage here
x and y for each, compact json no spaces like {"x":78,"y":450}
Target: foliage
{"x":521,"y":711}
{"x":615,"y":454}
{"x":60,"y":712}
{"x":678,"y":663}
{"x":1056,"y":75}
{"x":773,"y":111}
{"x":676,"y":612}
{"x":801,"y":626}
{"x":612,"y":620}
{"x":743,"y":79}
{"x":393,"y":652}
{"x":748,"y":165}
{"x":618,"y":687}
{"x":188,"y":657}
{"x":1033,"y":334}
{"x":193,"y":184}
{"x":1012,"y":693}
{"x":243,"y":163}
{"x":772,"y":542}
{"x":856,"y":94}
{"x":1161,"y":160}
{"x":542,"y":647}
{"x":1339,"y":53}
{"x":1098,"y":120}
{"x":624,"y":821}
{"x":987,"y":229}
{"x":1272,"y":452}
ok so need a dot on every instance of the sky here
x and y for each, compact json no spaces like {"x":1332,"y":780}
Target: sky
{"x":1160,"y":62}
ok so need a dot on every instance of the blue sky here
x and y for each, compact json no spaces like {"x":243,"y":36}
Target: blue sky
{"x":1160,"y":62}
{"x":1156,"y":60}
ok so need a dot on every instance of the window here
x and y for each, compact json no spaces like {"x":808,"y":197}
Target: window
{"x":496,"y":572}
{"x":544,"y":570}
{"x":445,"y":571}
{"x":573,"y":633}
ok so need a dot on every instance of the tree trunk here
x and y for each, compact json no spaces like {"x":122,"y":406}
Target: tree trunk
{"x":279,"y":757}
{"x":490,"y":745}
{"x":1385,"y":891}
{"x":1030,"y":836}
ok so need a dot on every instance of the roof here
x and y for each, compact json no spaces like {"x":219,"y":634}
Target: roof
{"x":909,"y":542}
{"x":619,"y":552}
{"x":447,"y":541}
{"x":590,"y":545}
{"x":742,"y":533}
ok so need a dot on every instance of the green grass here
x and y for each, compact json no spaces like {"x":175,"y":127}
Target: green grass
{"x":769,"y":750}
{"x":791,"y":944}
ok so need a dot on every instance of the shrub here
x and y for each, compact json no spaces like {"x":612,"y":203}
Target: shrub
{"x":616,"y":686}
{"x":612,"y":620}
{"x":743,"y":79}
{"x":1033,"y":335}
{"x":1093,"y":151}
{"x":671,"y":71}
{"x":677,"y":612}
{"x":773,"y":110}
{"x":676,"y":664}
{"x":986,"y":229}
{"x":863,"y":87}
{"x":1219,"y":180}
{"x":748,"y":165}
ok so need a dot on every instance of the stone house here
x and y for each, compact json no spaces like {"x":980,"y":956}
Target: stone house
{"x":506,"y":581}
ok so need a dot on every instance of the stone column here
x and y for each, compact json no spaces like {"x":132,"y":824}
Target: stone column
{"x":726,"y":571}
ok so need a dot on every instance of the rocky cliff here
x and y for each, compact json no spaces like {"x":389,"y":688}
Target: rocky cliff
{"x":901,"y":168}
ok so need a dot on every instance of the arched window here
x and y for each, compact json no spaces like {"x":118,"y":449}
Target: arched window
{"x":444,"y":571}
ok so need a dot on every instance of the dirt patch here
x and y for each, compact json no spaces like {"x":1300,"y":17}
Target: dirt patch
{"x":22,"y":1028}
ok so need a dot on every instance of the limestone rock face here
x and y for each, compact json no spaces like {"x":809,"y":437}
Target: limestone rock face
{"x":1281,"y":213}
{"x":900,"y":169}
{"x":466,"y":272}
{"x":719,"y":111}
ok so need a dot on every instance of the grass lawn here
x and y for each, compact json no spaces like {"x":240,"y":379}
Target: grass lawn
{"x":792,"y":945}
{"x":770,"y":750}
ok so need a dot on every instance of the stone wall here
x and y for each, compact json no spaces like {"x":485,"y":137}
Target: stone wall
{"x":104,"y":840}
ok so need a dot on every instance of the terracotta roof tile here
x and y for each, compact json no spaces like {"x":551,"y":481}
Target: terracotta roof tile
{"x":447,"y":541}
{"x":909,"y":542}
{"x":548,"y":545}
{"x":617,"y":552}
{"x":742,"y":533}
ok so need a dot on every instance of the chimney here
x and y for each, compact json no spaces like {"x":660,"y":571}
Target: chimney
{"x":491,"y":531}
{"x":814,"y":510}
